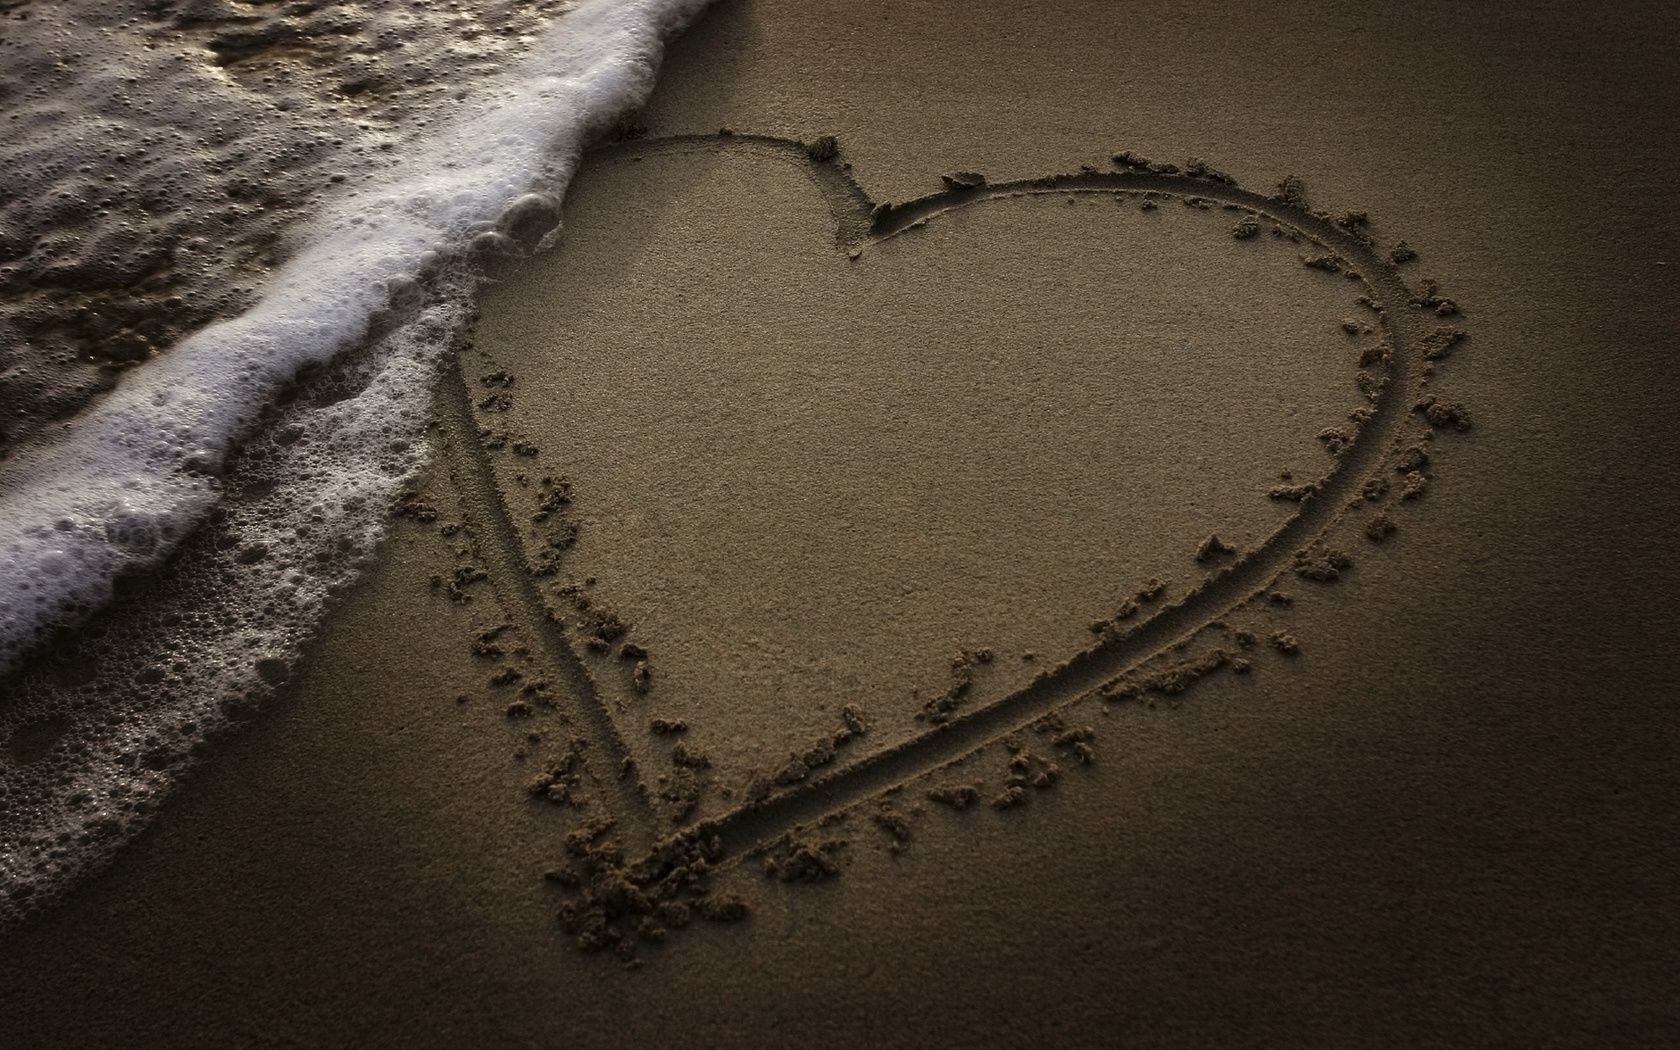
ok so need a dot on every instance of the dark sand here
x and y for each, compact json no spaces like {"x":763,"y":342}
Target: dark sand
{"x":1439,"y":806}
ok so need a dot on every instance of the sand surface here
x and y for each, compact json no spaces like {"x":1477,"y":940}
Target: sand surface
{"x":833,"y":481}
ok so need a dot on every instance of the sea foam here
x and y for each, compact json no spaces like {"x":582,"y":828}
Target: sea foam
{"x":120,"y":487}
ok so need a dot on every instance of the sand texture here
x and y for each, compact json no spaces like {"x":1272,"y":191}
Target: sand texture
{"x":992,"y":578}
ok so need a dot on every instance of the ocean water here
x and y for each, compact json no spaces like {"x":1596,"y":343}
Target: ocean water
{"x":236,"y":239}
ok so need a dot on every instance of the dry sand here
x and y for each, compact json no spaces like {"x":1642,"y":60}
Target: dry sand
{"x":850,"y":499}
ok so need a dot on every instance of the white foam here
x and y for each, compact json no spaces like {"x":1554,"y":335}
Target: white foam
{"x":304,"y":513}
{"x":127,"y":480}
{"x":133,"y":477}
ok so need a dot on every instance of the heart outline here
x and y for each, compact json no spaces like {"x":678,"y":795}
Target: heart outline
{"x":860,"y":222}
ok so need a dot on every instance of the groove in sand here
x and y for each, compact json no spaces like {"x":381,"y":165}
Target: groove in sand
{"x":495,"y":540}
{"x":748,"y":827}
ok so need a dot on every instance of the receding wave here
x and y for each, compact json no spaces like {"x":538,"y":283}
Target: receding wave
{"x":247,"y":514}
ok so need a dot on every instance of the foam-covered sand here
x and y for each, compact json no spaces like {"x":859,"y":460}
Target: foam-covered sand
{"x":115,"y":490}
{"x":129,"y":477}
{"x":690,"y":510}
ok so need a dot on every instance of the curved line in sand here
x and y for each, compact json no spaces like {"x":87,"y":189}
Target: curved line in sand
{"x":861,"y":223}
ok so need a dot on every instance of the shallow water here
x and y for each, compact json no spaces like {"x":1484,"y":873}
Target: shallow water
{"x":159,"y":160}
{"x":205,"y":203}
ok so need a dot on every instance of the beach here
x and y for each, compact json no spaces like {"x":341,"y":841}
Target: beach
{"x":995,"y":525}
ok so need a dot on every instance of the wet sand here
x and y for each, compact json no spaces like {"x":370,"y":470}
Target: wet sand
{"x":820,"y":509}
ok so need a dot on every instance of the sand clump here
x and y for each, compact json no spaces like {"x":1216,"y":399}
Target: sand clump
{"x":1214,"y":549}
{"x":796,"y":859}
{"x":802,"y":764}
{"x":1074,"y":742}
{"x":684,"y":786}
{"x":487,"y":642}
{"x":1179,"y":675}
{"x":689,"y":757}
{"x":959,"y":797}
{"x":894,"y":823}
{"x":938,"y":710}
{"x":617,"y":903}
{"x":1336,"y":440}
{"x":1413,"y":467}
{"x":563,"y":780}
{"x":823,"y":148}
{"x":1025,"y":769}
{"x":1443,"y":414}
{"x":1321,"y":564}
{"x":1129,"y":607}
{"x":1440,"y":342}
{"x":1380,"y":528}
{"x":599,"y":626}
{"x":1428,"y":295}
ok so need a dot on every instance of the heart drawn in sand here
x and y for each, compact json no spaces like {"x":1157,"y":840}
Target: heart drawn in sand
{"x":666,"y":474}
